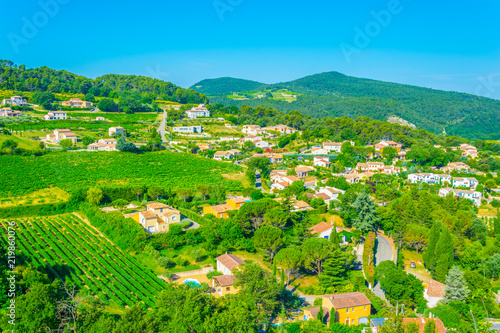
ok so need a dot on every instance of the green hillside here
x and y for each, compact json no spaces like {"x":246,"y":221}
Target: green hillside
{"x":140,"y":88}
{"x":334,"y":94}
{"x":225,"y":86}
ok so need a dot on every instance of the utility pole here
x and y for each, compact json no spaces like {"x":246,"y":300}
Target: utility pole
{"x":474,"y":320}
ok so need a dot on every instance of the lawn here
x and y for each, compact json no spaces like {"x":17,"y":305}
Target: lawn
{"x":419,"y":271}
{"x":22,"y":142}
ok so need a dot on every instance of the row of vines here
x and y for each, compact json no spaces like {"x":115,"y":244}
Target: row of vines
{"x":70,"y":250}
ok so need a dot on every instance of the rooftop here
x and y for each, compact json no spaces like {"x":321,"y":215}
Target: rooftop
{"x":348,"y":300}
{"x":230,"y":261}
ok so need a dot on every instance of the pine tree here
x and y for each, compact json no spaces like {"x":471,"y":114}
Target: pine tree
{"x":333,"y":270}
{"x":429,"y":256}
{"x":366,"y":219}
{"x":444,"y":255}
{"x":456,"y":288}
{"x":334,"y":238}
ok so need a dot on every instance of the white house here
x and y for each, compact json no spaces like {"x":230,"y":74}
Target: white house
{"x":322,"y":162}
{"x":474,"y":196}
{"x":465,"y":182}
{"x":428,"y":178}
{"x":332,"y":192}
{"x":118,"y":130}
{"x":55,"y":115}
{"x":100,"y":119}
{"x":199,"y":111}
{"x":223,"y":155}
{"x":253,"y":130}
{"x":103,"y":145}
{"x":279,"y":186}
{"x":226,"y":263}
{"x":188,"y":129}
{"x":319,"y":151}
{"x":262,"y":144}
{"x":335,"y":146}
{"x":324,"y":230}
{"x":15,"y":100}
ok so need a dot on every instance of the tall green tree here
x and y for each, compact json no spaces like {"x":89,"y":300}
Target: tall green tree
{"x":456,"y":288}
{"x":289,"y":258}
{"x":94,"y":196}
{"x":429,"y":256}
{"x":334,"y":238}
{"x":333,"y":270}
{"x":314,"y":252}
{"x":366,"y":219}
{"x":270,"y":239}
{"x":444,"y":255}
{"x":430,"y":326}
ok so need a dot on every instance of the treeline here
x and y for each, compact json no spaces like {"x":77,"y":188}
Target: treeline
{"x":333,"y":94}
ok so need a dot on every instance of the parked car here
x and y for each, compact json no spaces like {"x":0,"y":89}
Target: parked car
{"x":412,"y":265}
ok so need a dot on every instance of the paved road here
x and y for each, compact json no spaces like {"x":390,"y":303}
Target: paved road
{"x":161,"y":128}
{"x":383,"y":253}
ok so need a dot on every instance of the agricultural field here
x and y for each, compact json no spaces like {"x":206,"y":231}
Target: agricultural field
{"x":51,"y":195}
{"x":68,"y":249}
{"x":277,"y":94}
{"x":25,"y":174}
{"x":22,"y":142}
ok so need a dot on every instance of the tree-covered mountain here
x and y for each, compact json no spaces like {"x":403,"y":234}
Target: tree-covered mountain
{"x":226,"y":86}
{"x":45,"y":79}
{"x":334,"y":94}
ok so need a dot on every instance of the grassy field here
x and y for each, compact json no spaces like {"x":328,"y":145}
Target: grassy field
{"x":22,"y":142}
{"x":44,"y":196}
{"x":25,"y":174}
{"x":68,"y":249}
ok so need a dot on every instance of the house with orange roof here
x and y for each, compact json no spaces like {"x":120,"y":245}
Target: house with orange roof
{"x":303,"y":171}
{"x":77,"y":103}
{"x":348,"y":309}
{"x":219,"y":211}
{"x":55,"y":115}
{"x":434,"y":292}
{"x":324,"y":230}
{"x":224,"y":284}
{"x":9,"y":113}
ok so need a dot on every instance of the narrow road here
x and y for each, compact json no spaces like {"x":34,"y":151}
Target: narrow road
{"x":383,"y":252}
{"x":258,"y":180}
{"x":161,"y":128}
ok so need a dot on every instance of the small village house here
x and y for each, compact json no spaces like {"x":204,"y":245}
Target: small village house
{"x":224,"y":284}
{"x":434,"y":293}
{"x":197,"y":112}
{"x":7,"y":112}
{"x":15,"y":100}
{"x":324,"y":230}
{"x":55,"y":115}
{"x":115,"y":131}
{"x":77,"y":103}
{"x":474,"y":196}
{"x":348,"y":309}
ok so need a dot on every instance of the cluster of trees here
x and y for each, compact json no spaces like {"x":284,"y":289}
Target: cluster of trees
{"x":135,"y":93}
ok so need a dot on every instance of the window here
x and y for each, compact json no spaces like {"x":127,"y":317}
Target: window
{"x":352,"y":309}
{"x":365,"y":307}
{"x":347,"y":310}
{"x":228,"y":289}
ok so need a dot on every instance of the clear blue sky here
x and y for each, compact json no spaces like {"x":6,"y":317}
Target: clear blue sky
{"x":439,"y":44}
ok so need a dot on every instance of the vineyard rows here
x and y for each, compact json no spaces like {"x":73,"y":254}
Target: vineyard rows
{"x":71,"y":250}
{"x":87,"y":169}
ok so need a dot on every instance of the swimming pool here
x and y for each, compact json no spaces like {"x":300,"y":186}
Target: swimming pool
{"x":192,"y":283}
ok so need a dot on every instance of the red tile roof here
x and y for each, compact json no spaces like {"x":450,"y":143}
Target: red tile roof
{"x":342,"y":301}
{"x":224,"y":280}
{"x":230,"y":261}
{"x":320,"y":227}
{"x":435,"y":289}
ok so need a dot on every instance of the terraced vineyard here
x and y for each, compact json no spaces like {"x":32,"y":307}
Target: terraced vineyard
{"x":69,"y":249}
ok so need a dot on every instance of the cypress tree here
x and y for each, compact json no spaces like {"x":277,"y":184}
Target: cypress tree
{"x":333,"y":270}
{"x":430,"y":327}
{"x":283,"y":277}
{"x":444,"y":255}
{"x":274,"y":269}
{"x":429,"y":256}
{"x":320,"y":313}
{"x":334,"y":238}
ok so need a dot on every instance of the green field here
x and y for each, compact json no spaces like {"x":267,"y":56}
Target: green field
{"x":68,"y":249}
{"x":25,"y":174}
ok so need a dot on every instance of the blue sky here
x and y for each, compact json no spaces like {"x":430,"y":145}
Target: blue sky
{"x":450,"y":46}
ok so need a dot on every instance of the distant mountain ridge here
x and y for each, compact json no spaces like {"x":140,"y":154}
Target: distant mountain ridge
{"x":335,"y":94}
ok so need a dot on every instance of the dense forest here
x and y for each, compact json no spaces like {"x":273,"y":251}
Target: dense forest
{"x":335,"y":95}
{"x":44,"y":79}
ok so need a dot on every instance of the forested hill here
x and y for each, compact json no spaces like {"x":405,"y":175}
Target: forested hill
{"x":19,"y":78}
{"x":226,"y":86}
{"x":334,"y":94}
